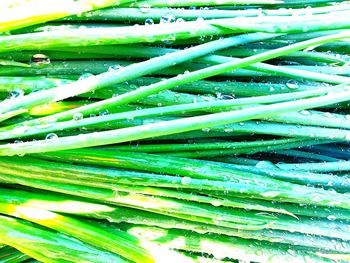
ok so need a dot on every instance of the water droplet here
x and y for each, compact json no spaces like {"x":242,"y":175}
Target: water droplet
{"x":115,"y":68}
{"x":19,"y":142}
{"x":16,"y":93}
{"x":316,"y":197}
{"x":330,"y":183}
{"x":328,"y":115}
{"x":51,"y":136}
{"x":167,"y":19}
{"x":331,"y":217}
{"x":218,"y":95}
{"x":305,"y":112}
{"x":216,"y":203}
{"x":270,"y":194}
{"x":186,"y":180}
{"x":40,"y":59}
{"x":265,"y":164}
{"x":103,"y":113}
{"x":227,"y":97}
{"x":36,"y":90}
{"x":292,"y":84}
{"x":180,"y":20}
{"x":78,"y":116}
{"x":206,"y":129}
{"x":149,"y":21}
{"x":168,"y":40}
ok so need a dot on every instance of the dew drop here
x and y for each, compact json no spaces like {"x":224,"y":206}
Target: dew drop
{"x":218,"y":95}
{"x":292,"y":84}
{"x":305,"y":112}
{"x":51,"y":136}
{"x":16,"y":93}
{"x":216,"y":203}
{"x":167,"y":19}
{"x":149,"y":21}
{"x":103,"y":113}
{"x":180,"y":20}
{"x":40,"y":59}
{"x":316,"y":197}
{"x":330,"y":183}
{"x":114,"y":68}
{"x":168,"y":40}
{"x":19,"y":142}
{"x":78,"y":116}
{"x":265,"y":164}
{"x":185,"y":180}
{"x":270,"y":194}
{"x":328,"y":115}
{"x":331,"y":217}
{"x":227,"y":97}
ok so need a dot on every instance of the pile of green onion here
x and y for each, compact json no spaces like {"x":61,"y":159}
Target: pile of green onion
{"x":174,"y":131}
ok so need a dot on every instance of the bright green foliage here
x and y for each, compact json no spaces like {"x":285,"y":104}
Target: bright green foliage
{"x":181,"y":131}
